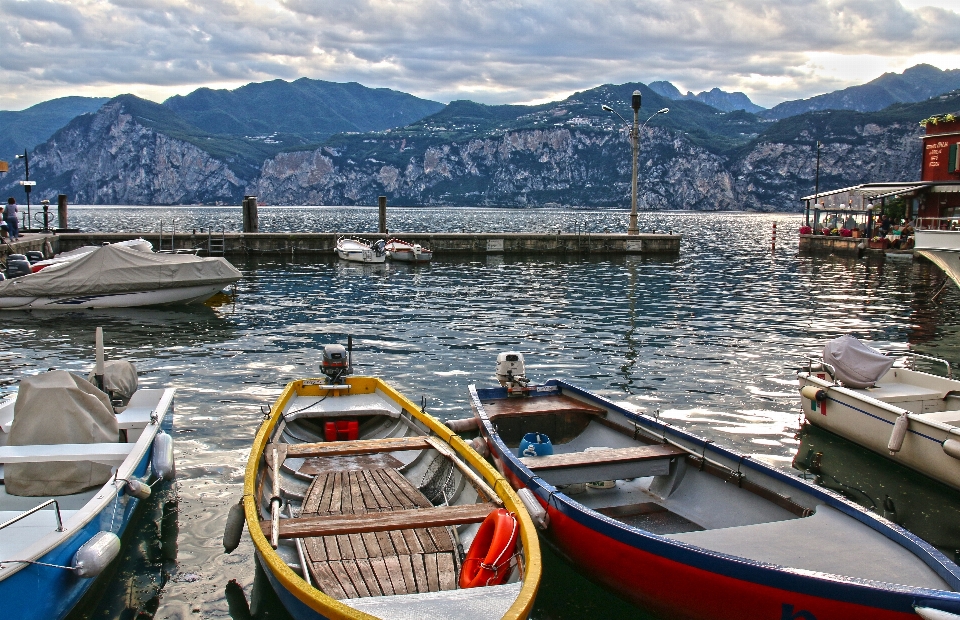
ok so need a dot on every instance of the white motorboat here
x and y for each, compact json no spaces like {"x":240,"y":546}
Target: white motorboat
{"x":908,"y":416}
{"x":398,"y":249}
{"x":361,"y":251}
{"x":141,"y":245}
{"x":77,"y":456}
{"x":118,"y":276}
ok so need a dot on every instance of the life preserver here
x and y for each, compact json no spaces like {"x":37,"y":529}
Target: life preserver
{"x":488,"y":561}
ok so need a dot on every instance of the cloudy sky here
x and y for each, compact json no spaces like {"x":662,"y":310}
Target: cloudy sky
{"x":492,"y":51}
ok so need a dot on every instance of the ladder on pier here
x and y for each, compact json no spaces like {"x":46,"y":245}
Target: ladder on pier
{"x":216,"y":243}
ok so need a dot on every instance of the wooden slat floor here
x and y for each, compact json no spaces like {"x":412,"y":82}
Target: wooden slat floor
{"x":378,"y":563}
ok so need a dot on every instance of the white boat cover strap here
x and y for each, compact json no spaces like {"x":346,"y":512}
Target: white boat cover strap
{"x":119,"y":379}
{"x":58,"y":407}
{"x":120,"y":269}
{"x":857,"y":365}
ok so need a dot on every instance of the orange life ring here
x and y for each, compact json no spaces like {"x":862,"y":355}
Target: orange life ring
{"x":488,"y":560}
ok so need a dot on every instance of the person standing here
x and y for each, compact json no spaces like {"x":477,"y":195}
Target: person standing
{"x":11,"y":215}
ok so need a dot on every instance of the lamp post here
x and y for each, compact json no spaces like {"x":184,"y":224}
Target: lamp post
{"x":632,"y":229}
{"x":26,"y":183}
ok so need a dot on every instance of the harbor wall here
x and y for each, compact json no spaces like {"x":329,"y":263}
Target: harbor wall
{"x":442,"y":244}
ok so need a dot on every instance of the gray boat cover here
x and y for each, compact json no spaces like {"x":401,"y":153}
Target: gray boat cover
{"x":857,"y":365}
{"x":59,"y":407}
{"x":119,"y":379}
{"x":118,"y":269}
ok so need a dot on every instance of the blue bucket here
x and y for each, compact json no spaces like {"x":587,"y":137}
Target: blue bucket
{"x":535,"y":444}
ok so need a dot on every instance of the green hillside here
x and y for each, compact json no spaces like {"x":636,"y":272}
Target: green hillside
{"x":25,"y":129}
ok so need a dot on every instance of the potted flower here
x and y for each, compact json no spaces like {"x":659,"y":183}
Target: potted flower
{"x":805,"y":230}
{"x":846,"y":232}
{"x":879,"y":243}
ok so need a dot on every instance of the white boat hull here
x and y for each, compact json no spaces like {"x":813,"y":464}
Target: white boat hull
{"x":942,"y":248}
{"x":159,"y":297}
{"x":867,"y":417}
{"x":361,"y":256}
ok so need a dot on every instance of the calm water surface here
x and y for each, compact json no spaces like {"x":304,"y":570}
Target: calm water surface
{"x":711,"y":338}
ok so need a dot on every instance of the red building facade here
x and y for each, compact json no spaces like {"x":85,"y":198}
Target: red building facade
{"x":941,"y":163}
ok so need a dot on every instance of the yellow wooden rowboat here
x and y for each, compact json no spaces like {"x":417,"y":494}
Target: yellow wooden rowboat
{"x":360,"y":505}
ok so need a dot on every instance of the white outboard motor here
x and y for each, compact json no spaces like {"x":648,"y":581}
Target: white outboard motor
{"x":510,"y":370}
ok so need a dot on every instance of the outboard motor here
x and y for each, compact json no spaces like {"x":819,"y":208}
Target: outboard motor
{"x":335,"y":362}
{"x":380,"y":247}
{"x":510,"y":370}
{"x":34,"y":256}
{"x":17,"y":265}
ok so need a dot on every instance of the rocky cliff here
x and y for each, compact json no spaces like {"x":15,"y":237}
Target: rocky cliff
{"x":565,"y":154}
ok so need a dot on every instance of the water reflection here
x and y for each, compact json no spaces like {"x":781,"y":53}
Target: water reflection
{"x":929,"y":509}
{"x":710,"y":338}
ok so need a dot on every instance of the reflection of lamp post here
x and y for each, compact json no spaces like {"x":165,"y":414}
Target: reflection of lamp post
{"x":632,"y":229}
{"x":27,"y":183}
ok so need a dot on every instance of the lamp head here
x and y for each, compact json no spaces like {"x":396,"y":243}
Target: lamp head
{"x":20,"y":156}
{"x":635,"y":101}
{"x":604,"y":107}
{"x":663,"y":110}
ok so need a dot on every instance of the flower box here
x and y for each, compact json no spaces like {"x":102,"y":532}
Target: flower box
{"x":879,"y":244}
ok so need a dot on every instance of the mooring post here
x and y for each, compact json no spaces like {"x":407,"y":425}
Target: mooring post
{"x":62,"y":211}
{"x":251,"y":221}
{"x":773,"y":242}
{"x":383,"y":215}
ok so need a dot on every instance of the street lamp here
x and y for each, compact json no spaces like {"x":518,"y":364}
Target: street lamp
{"x":632,"y":229}
{"x":26,"y":183}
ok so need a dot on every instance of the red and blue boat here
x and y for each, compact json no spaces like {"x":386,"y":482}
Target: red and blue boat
{"x":690,"y":529}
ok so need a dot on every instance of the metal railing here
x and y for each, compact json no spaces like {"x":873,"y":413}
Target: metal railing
{"x":24,"y":515}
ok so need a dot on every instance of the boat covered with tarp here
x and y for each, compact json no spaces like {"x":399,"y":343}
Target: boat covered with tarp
{"x":117,"y":276}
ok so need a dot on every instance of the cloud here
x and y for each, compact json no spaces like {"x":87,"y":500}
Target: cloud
{"x":495,"y":51}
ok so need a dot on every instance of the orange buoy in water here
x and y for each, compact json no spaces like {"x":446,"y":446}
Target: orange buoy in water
{"x":488,"y":561}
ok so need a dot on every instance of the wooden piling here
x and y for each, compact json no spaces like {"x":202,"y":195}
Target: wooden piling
{"x":383,"y":215}
{"x":62,"y":211}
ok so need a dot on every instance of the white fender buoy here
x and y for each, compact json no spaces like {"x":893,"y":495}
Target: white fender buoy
{"x":96,"y":554}
{"x":898,"y":434}
{"x":162,"y":459}
{"x":929,"y":613}
{"x":463,"y":424}
{"x":138,"y":488}
{"x":952,"y":448}
{"x":234,"y":528}
{"x":537,"y":513}
{"x":478,"y":444}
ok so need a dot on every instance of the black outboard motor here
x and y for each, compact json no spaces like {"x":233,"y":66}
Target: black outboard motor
{"x":34,"y":256}
{"x":335,"y":362}
{"x":380,"y":247}
{"x":17,"y":265}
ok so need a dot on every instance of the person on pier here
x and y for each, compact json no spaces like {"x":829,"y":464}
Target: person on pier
{"x":11,"y":215}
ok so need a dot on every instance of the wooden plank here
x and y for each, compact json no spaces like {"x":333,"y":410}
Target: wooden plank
{"x":359,"y":446}
{"x":316,"y":549}
{"x":379,"y":568}
{"x":448,"y":571}
{"x":315,"y":495}
{"x":400,"y":483}
{"x":369,"y":578}
{"x":396,"y":574}
{"x":358,"y":506}
{"x":433,"y":573}
{"x":442,"y":539}
{"x":350,"y":566}
{"x":326,"y":580}
{"x":406,"y":568}
{"x":383,"y":484}
{"x":343,"y":578}
{"x":608,"y":456}
{"x":338,"y":525}
{"x":539,"y":405}
{"x":419,"y":573}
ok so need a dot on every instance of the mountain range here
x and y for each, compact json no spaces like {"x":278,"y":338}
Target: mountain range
{"x":312,"y":142}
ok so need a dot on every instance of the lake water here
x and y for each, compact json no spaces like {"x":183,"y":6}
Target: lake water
{"x":711,"y":338}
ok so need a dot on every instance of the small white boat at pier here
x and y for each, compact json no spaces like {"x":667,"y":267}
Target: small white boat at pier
{"x":908,"y":416}
{"x":361,"y":251}
{"x":405,"y":251}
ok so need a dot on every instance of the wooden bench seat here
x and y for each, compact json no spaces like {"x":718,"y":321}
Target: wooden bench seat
{"x":365,"y":559}
{"x":359,"y":446}
{"x":333,"y":525}
{"x":539,"y":405}
{"x":605,"y":464}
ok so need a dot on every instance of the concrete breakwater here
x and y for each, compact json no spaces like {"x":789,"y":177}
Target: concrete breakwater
{"x":443,"y":244}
